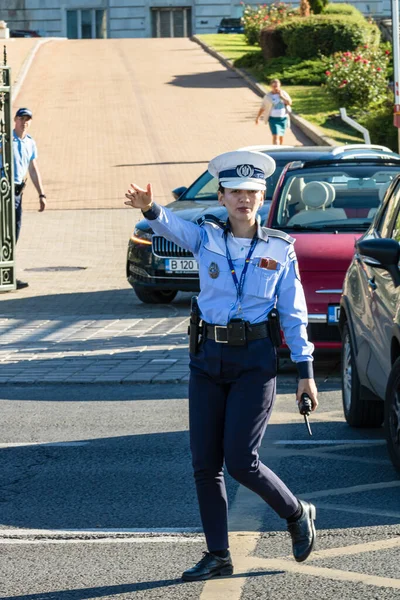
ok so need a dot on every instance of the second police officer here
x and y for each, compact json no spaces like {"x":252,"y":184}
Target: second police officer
{"x":245,"y":271}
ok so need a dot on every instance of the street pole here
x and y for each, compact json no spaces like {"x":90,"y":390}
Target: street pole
{"x":396,"y":59}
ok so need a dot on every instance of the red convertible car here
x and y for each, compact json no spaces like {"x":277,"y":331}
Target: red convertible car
{"x":326,"y":204}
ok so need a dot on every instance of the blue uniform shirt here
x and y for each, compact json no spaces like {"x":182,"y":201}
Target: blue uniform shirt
{"x":24,"y":151}
{"x":263,"y":288}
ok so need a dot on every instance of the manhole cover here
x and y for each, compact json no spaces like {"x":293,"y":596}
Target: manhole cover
{"x":43,"y":269}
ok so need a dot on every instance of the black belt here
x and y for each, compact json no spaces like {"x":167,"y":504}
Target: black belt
{"x":18,"y":188}
{"x":236,"y":333}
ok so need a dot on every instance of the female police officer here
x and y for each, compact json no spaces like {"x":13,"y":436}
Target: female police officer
{"x":245,"y":271}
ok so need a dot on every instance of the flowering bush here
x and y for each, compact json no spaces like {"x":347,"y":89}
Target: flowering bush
{"x":256,"y":18}
{"x":358,"y":79}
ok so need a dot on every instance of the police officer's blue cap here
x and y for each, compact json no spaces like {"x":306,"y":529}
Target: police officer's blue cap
{"x":24,"y":112}
{"x":242,"y":169}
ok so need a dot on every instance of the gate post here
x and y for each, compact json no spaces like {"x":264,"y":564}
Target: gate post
{"x":7,"y":202}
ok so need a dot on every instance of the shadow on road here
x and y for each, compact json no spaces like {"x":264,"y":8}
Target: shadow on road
{"x":113,"y":590}
{"x":122,"y":303}
{"x":115,"y":482}
{"x":216,"y":79}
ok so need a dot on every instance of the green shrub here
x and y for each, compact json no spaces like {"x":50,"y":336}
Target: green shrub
{"x":291,"y":71}
{"x":341,"y":9}
{"x":326,"y":34}
{"x":379,"y":123}
{"x":358,"y":79}
{"x":257,"y":17}
{"x":317,"y":6}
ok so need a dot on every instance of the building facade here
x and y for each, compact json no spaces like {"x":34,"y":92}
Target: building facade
{"x":82,"y":19}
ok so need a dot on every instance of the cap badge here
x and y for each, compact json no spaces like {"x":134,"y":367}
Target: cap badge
{"x":245,"y":171}
{"x":213,"y":270}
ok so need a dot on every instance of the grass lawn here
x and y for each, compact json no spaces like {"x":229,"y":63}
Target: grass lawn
{"x":305,"y":98}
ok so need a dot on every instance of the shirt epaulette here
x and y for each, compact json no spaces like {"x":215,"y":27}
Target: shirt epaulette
{"x":279,"y":234}
{"x":208,"y":218}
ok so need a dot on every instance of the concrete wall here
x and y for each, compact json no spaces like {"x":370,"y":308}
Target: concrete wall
{"x":132,"y":18}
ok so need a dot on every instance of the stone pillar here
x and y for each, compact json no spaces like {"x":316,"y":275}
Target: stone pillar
{"x":4,"y":31}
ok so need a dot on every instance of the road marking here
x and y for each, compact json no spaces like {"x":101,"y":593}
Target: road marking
{"x":109,"y":540}
{"x":352,"y":489}
{"x":322,"y":453}
{"x":357,"y":548}
{"x":327,"y":573}
{"x":6,"y":533}
{"x":242,"y":546}
{"x":327,"y":442}
{"x":359,"y":510}
{"x":47,"y":444}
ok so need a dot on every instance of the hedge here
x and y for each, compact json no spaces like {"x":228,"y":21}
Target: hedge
{"x":342,"y":9}
{"x":326,"y":34}
{"x":291,"y":71}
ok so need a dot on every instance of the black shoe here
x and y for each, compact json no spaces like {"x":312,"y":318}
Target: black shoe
{"x":22,"y":284}
{"x":303,"y":532}
{"x":209,"y":566}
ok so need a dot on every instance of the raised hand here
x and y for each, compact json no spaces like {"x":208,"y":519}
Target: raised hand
{"x":139,"y":198}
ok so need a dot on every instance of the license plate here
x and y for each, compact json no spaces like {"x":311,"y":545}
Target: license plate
{"x":181,"y":265}
{"x":333,"y":314}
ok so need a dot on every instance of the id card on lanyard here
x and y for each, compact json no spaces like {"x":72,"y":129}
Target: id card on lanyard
{"x":239,"y":284}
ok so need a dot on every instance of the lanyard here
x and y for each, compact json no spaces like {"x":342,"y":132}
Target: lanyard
{"x":240,"y":284}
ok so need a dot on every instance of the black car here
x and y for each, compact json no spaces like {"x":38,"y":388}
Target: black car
{"x":231,"y":25}
{"x":370,"y":326}
{"x":23,"y":33}
{"x":156,"y":268}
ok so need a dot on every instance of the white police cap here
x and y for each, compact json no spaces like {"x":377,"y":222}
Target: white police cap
{"x":242,"y":169}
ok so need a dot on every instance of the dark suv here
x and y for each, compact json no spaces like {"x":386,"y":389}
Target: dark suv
{"x":370,"y":326}
{"x":231,"y":25}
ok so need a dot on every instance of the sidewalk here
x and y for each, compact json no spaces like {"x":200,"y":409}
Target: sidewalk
{"x":104,"y":118}
{"x":18,"y":51}
{"x":79,"y":321}
{"x":107,"y":112}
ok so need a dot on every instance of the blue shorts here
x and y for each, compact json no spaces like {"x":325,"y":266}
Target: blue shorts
{"x":278,"y":125}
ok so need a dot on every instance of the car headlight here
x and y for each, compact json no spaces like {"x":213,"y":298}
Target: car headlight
{"x":141,"y":237}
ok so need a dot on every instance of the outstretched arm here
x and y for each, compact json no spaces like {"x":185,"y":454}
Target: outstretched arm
{"x":163,"y":221}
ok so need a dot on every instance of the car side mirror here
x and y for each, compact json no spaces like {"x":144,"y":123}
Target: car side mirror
{"x":177,"y":192}
{"x":382,"y":253}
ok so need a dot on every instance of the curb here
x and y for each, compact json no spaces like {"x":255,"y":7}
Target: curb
{"x":312,"y":131}
{"x":27,"y":64}
{"x":284,"y":382}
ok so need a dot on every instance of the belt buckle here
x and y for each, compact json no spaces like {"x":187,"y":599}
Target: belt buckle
{"x":223,"y":328}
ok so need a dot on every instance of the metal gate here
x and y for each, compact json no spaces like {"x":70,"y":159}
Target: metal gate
{"x":7,"y":207}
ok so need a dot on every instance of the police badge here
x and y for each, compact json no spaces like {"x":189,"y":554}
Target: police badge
{"x":213,"y":270}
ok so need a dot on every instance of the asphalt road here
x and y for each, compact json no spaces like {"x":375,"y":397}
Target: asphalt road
{"x":97,"y":500}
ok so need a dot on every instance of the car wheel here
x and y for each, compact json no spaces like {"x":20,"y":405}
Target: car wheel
{"x":358,"y":411}
{"x":149,"y":296}
{"x":392,"y":414}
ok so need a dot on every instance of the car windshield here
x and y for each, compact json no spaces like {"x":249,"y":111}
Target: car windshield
{"x":206,"y":186}
{"x":341,"y":197}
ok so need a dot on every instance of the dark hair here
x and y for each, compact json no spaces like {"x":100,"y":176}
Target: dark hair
{"x":222,"y":190}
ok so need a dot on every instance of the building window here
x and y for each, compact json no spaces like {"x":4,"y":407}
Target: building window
{"x":171,"y":22}
{"x":86,"y":23}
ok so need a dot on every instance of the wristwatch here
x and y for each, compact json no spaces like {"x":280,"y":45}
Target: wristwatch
{"x":42,"y":196}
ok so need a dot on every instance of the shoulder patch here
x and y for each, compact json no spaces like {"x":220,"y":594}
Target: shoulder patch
{"x":211,"y":219}
{"x":279,"y":234}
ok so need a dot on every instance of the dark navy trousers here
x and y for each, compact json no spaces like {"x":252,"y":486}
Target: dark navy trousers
{"x":18,"y":216}
{"x":231,"y":396}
